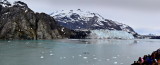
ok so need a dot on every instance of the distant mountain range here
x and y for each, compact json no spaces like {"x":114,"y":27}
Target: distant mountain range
{"x":82,"y":20}
{"x":85,"y":20}
{"x":18,"y":21}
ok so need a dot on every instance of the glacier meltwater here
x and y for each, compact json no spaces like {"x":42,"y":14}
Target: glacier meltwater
{"x":110,"y":34}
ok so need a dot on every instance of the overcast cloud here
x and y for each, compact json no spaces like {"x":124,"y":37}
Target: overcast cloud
{"x":142,"y":15}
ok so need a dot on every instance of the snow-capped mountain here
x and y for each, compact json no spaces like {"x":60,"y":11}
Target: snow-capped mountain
{"x":110,"y":34}
{"x":82,"y":20}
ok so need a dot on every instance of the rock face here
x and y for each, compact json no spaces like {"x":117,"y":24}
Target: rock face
{"x":17,"y":21}
{"x":82,"y":20}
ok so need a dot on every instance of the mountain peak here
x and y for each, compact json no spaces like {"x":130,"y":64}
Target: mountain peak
{"x":20,"y":3}
{"x":78,"y":14}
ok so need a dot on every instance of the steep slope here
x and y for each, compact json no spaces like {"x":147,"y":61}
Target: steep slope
{"x":17,"y":21}
{"x":81,"y":20}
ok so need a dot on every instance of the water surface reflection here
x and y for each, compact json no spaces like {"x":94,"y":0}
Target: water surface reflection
{"x":74,"y":52}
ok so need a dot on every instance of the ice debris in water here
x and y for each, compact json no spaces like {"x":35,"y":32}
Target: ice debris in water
{"x":80,"y":55}
{"x":95,"y":58}
{"x":115,"y":62}
{"x":42,"y":57}
{"x":72,"y":56}
{"x":9,"y":41}
{"x":107,"y":59}
{"x":85,"y":57}
{"x":114,"y":57}
{"x":64,"y":57}
{"x":51,"y":54}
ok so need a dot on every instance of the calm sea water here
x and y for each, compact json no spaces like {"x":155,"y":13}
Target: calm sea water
{"x":75,"y":52}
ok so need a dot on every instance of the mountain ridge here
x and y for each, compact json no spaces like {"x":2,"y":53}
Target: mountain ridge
{"x":85,"y":20}
{"x":19,"y":22}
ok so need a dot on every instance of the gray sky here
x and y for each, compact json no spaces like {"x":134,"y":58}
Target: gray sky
{"x":142,"y":15}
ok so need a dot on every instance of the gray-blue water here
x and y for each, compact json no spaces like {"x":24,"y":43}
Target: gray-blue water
{"x":75,"y":52}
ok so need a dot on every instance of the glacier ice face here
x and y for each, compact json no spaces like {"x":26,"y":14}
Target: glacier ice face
{"x":110,"y":34}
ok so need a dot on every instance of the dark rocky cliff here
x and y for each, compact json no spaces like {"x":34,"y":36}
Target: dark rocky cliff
{"x":19,"y":22}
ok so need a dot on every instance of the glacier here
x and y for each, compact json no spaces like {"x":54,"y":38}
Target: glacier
{"x":109,"y":34}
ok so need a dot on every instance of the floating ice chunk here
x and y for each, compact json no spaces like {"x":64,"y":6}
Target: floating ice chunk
{"x":114,"y":57}
{"x":9,"y":41}
{"x":107,"y":59}
{"x":64,"y":57}
{"x":72,"y":56}
{"x":42,"y":57}
{"x":115,"y":62}
{"x":95,"y":58}
{"x":79,"y":55}
{"x":51,"y":54}
{"x":85,"y":57}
